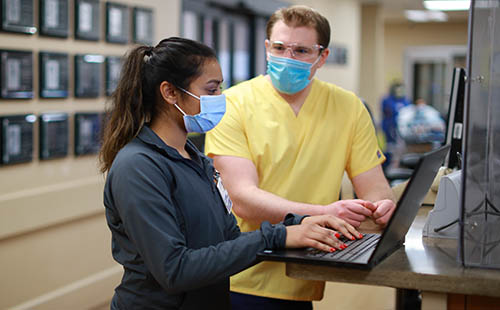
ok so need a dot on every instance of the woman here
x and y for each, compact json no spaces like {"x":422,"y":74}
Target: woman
{"x":170,"y":217}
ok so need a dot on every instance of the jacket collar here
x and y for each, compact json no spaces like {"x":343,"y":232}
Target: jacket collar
{"x":148,"y":136}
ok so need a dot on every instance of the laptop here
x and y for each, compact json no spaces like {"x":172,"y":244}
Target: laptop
{"x":373,"y":248}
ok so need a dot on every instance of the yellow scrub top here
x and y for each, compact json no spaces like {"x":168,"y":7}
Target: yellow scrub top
{"x":298,"y":157}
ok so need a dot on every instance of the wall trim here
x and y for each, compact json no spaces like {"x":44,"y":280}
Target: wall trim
{"x":44,"y":206}
{"x":88,"y":292}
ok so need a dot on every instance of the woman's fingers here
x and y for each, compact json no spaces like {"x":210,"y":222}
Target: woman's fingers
{"x":312,"y":235}
{"x":325,"y":238}
{"x":343,"y":227}
{"x":321,"y":232}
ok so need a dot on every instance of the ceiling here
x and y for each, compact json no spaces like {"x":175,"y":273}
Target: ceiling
{"x":393,"y":10}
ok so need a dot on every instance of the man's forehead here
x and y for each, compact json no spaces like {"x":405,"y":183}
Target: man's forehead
{"x":293,"y":34}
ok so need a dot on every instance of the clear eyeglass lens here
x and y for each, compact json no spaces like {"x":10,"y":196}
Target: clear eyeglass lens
{"x":297,"y":51}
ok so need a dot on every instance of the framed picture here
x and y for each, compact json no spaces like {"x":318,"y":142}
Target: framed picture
{"x":117,"y":23}
{"x":338,"y":55}
{"x":87,"y":22}
{"x":143,"y":21}
{"x":16,"y":138}
{"x":113,"y":70}
{"x":54,"y":75}
{"x":16,"y":71}
{"x":54,"y":133}
{"x":53,"y":15}
{"x":88,"y":79}
{"x":87,"y":133}
{"x":17,"y":16}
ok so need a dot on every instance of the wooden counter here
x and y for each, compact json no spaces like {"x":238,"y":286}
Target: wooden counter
{"x":426,"y":264}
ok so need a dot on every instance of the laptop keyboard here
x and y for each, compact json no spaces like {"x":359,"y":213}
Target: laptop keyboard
{"x":354,"y":248}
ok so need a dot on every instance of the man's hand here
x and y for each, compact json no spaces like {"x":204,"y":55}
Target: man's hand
{"x":320,"y":232}
{"x":352,"y":211}
{"x":383,"y":212}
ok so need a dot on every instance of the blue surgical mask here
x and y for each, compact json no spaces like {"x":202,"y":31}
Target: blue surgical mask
{"x":212,"y":109}
{"x":289,"y":75}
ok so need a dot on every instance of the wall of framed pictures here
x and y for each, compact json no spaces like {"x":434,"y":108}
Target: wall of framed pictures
{"x":59,"y":63}
{"x":104,"y":28}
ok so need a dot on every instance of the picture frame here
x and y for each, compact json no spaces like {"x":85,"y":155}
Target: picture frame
{"x":87,"y":133}
{"x":88,"y":68}
{"x":87,"y":20}
{"x":54,"y":18}
{"x":16,"y":138}
{"x":338,"y":55}
{"x":143,"y":25}
{"x":16,"y":74}
{"x":117,"y":23}
{"x":54,"y":135}
{"x":54,"y":75}
{"x":113,"y":70}
{"x":17,"y":16}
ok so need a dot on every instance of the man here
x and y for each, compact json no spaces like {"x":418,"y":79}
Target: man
{"x":283,"y":146}
{"x":421,"y":123}
{"x":391,"y":104}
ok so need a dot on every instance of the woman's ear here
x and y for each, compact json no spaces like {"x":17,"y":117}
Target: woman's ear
{"x":168,"y":92}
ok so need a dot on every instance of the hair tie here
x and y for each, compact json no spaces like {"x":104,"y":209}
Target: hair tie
{"x":148,"y":53}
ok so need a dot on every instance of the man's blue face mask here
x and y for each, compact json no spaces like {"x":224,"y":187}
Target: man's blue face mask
{"x":289,"y":75}
{"x":212,"y":109}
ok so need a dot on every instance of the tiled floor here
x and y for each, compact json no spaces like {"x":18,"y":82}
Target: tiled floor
{"x":343,"y":296}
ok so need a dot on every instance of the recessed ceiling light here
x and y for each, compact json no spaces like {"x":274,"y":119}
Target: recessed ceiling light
{"x":447,"y":5}
{"x":421,"y":16}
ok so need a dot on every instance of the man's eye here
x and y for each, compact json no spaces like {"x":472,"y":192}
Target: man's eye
{"x":278,"y":47}
{"x":302,"y":50}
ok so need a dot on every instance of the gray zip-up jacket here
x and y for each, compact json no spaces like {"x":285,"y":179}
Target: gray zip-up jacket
{"x":171,"y":231}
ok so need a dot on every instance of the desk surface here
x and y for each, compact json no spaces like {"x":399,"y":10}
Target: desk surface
{"x":427,"y":264}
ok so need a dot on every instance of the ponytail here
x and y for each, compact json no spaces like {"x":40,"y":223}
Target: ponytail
{"x":127,"y":113}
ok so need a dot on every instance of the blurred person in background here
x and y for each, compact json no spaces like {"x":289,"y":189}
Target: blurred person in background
{"x":420,"y":123}
{"x":391,"y":105}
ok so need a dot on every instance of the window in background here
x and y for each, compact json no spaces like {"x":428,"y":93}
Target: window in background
{"x":429,"y":84}
{"x":242,"y":51}
{"x":224,"y":52}
{"x":260,"y":48}
{"x":190,"y":25}
{"x":428,"y":73}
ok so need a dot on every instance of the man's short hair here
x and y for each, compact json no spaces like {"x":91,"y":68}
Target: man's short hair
{"x":302,"y":16}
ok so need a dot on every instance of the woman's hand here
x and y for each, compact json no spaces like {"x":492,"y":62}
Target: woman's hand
{"x":320,"y":232}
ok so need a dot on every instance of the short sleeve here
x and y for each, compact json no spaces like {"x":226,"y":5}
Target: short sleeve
{"x":365,"y":152}
{"x":229,"y":136}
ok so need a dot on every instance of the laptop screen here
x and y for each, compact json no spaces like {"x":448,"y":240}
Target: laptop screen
{"x":410,"y":201}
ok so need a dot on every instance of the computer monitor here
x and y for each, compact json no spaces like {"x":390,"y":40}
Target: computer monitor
{"x":454,"y":123}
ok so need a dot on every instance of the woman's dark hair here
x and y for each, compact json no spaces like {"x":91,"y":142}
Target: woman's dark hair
{"x":134,"y":102}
